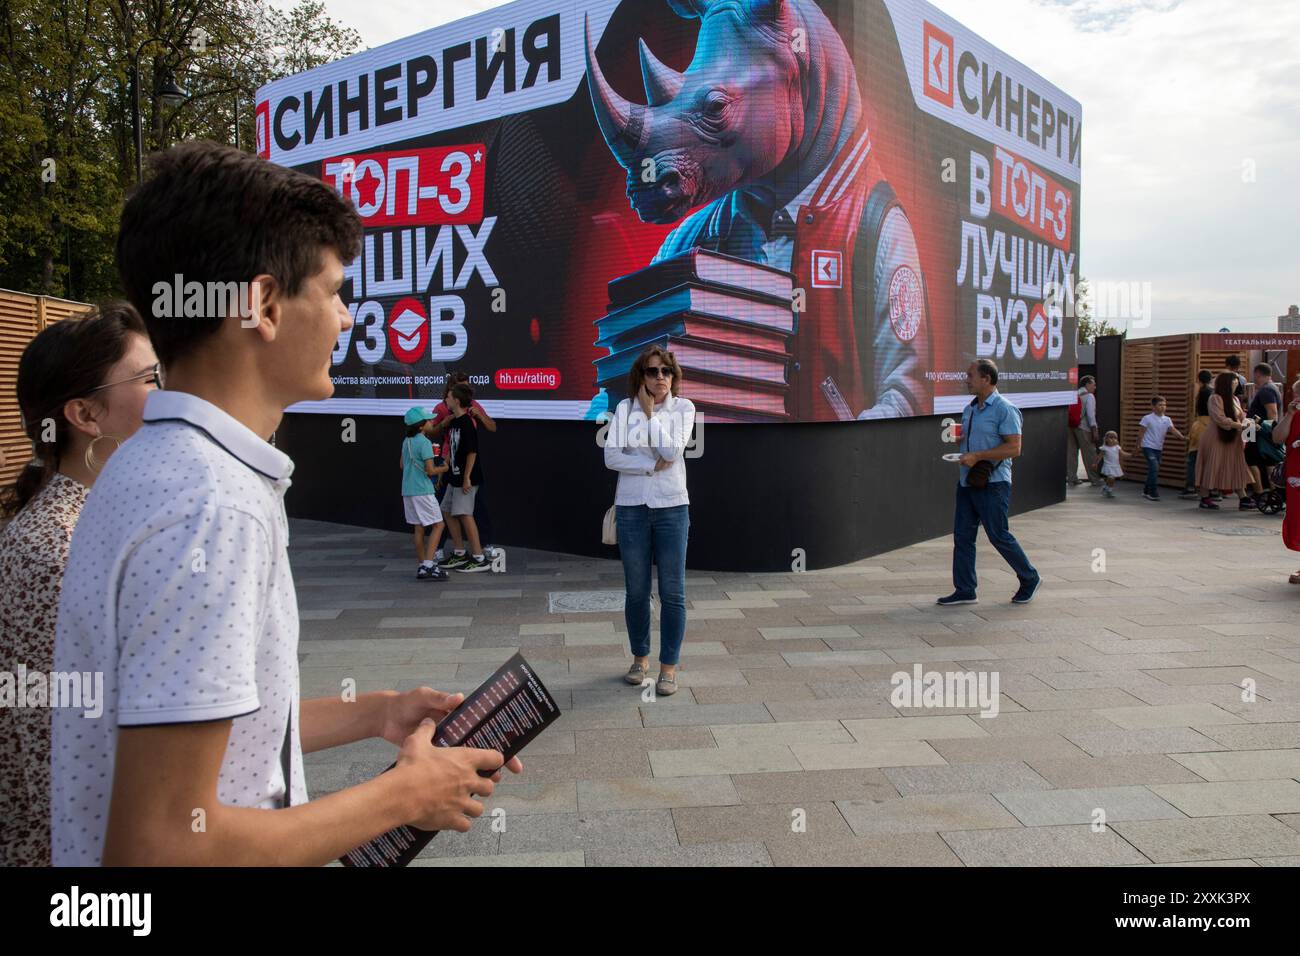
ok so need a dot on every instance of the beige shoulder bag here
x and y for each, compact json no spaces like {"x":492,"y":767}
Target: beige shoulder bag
{"x":609,"y":526}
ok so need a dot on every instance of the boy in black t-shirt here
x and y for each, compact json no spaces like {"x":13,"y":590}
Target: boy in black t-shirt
{"x":463,"y":478}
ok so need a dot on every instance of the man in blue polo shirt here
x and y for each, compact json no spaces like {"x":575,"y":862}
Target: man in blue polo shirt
{"x":990,"y":429}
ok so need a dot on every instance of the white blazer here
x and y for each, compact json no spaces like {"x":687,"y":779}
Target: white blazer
{"x":633,"y":445}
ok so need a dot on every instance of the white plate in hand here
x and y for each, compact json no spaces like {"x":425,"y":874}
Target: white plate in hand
{"x":955,"y":456}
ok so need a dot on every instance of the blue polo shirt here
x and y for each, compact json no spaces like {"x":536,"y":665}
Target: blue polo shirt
{"x":982,"y":428}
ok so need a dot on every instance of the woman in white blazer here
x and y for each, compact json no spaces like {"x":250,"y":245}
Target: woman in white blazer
{"x":646,"y":445}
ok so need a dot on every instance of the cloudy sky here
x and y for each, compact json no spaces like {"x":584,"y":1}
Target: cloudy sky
{"x":1191,"y":162}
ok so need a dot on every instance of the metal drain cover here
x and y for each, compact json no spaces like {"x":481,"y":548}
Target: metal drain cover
{"x":581,"y":602}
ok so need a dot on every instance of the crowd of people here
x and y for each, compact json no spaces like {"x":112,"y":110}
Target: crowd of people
{"x":1234,"y":447}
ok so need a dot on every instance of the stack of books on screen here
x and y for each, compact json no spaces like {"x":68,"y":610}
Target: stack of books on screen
{"x":728,"y":323}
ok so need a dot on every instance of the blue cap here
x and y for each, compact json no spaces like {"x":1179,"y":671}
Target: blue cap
{"x":416,"y":415}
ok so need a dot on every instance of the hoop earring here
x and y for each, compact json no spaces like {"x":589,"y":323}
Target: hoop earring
{"x":93,"y":464}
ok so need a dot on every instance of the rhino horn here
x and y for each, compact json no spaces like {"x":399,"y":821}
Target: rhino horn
{"x":623,"y":124}
{"x":662,"y":83}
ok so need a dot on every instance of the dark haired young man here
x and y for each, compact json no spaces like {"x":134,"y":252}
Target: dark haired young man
{"x":178,"y":587}
{"x":1233,"y":364}
{"x":463,"y":478}
{"x":990,"y":438}
{"x":1265,"y":406}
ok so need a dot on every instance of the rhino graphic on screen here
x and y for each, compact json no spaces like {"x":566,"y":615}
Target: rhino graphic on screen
{"x":763,"y":135}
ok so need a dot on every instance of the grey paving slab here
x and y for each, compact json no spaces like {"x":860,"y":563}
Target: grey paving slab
{"x":796,"y":732}
{"x":1210,"y":838}
{"x":888,"y":753}
{"x":807,"y":633}
{"x":989,"y":749}
{"x":1174,"y":715}
{"x":886,"y":849}
{"x":1046,"y":808}
{"x":928,"y":813}
{"x":599,"y":741}
{"x":1243,"y":764}
{"x":832,"y":709}
{"x":1228,"y":798}
{"x":1256,"y":736}
{"x":914,"y":728}
{"x":1042,"y":846}
{"x":523,"y":795}
{"x":571,"y":858}
{"x":703,"y":854}
{"x":965,"y":778}
{"x":773,"y":824}
{"x":671,"y":712}
{"x":1129,"y":770}
{"x":639,"y":793}
{"x":756,"y":758}
{"x":1163,"y":740}
{"x":549,"y":832}
{"x":813,"y":786}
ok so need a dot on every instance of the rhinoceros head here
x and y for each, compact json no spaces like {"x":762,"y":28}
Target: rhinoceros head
{"x":732,"y":117}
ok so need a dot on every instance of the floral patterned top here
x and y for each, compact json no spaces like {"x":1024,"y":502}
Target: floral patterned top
{"x":33,"y":553}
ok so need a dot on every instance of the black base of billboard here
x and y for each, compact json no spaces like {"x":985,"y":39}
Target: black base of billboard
{"x":762,"y":496}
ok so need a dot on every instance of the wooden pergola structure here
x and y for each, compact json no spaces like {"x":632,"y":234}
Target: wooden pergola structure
{"x":1167,"y":365}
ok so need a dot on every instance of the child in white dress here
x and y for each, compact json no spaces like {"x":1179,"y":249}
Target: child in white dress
{"x":1108,"y":458}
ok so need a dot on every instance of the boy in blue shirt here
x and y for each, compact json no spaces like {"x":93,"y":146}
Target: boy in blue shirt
{"x":419,"y":495}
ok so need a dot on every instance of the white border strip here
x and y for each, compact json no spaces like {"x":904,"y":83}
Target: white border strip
{"x":948,"y":404}
{"x":551,"y":410}
{"x":503,"y":408}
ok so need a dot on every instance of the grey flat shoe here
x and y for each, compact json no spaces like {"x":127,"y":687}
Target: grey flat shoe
{"x":667,"y":686}
{"x":636,"y":674}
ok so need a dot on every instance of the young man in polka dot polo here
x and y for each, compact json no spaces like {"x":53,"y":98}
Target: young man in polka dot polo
{"x":178,"y":588}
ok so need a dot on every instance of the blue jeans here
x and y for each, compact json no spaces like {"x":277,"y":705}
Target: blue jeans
{"x":644,"y":532}
{"x":987,"y":506}
{"x":1190,"y":484}
{"x":1152,"y":456}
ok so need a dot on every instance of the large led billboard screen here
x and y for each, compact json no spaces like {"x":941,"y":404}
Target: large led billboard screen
{"x":826,"y":210}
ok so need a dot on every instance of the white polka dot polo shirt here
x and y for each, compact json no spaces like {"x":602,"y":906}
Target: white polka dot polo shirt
{"x":178,"y":590}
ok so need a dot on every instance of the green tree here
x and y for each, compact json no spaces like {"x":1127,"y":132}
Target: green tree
{"x":67,"y":146}
{"x":1089,"y":327}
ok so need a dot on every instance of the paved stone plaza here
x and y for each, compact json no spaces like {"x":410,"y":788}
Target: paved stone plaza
{"x":1121,"y":690}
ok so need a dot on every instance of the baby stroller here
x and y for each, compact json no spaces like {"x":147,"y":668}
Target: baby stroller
{"x":1273,"y":501}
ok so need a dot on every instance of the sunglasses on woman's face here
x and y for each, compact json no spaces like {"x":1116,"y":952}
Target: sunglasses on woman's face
{"x":658,"y":371}
{"x":153,"y":375}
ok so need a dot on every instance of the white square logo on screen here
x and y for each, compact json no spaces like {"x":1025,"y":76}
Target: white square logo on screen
{"x":827,"y":269}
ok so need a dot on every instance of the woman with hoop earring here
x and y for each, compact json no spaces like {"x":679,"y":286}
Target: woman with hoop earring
{"x":81,"y":390}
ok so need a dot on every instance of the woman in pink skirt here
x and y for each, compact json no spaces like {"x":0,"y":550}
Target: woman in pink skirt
{"x":1221,"y":454}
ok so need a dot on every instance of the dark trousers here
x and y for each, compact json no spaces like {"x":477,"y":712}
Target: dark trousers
{"x":987,"y":506}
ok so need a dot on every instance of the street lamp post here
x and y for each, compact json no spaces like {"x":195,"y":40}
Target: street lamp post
{"x":168,"y":92}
